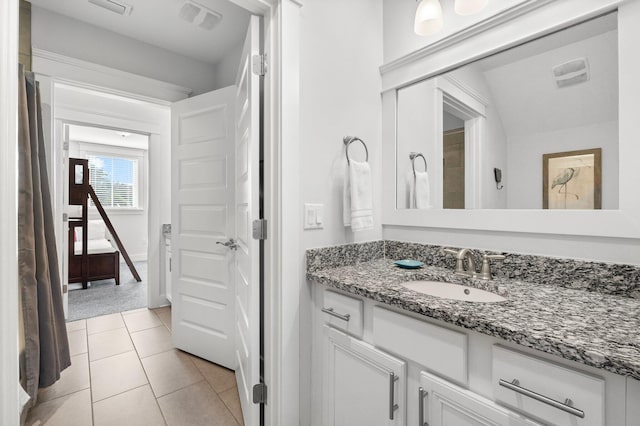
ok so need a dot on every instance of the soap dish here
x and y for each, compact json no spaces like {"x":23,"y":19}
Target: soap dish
{"x":408,"y":264}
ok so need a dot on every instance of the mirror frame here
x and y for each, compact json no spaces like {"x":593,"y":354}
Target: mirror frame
{"x":509,"y":29}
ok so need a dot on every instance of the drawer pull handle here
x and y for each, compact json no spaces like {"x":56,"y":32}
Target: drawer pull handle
{"x":330,"y":311}
{"x":422,"y":394}
{"x":566,"y":406}
{"x":392,"y":398}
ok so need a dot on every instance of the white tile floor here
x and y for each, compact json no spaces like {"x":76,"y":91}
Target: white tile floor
{"x":124,"y":371}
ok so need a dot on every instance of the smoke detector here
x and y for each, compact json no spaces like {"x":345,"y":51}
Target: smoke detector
{"x":113,"y":6}
{"x":199,"y":15}
{"x":570,"y":73}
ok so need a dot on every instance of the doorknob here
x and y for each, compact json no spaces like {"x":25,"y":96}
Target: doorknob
{"x":232,"y":244}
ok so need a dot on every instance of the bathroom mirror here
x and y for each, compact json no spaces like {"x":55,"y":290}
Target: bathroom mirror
{"x":487,"y":208}
{"x":486,"y":128}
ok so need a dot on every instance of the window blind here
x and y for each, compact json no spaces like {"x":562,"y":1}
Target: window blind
{"x":114,"y":180}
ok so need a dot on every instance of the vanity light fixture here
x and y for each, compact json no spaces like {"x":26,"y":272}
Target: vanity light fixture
{"x":428,"y":17}
{"x":429,"y":14}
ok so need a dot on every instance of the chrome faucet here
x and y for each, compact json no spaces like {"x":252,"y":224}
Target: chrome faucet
{"x":461,"y":255}
{"x":470,"y":269}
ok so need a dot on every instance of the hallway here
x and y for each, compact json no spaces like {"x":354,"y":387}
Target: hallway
{"x":125,"y":372}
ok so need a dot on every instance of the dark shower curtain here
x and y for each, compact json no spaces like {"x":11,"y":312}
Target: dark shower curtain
{"x":46,"y":351}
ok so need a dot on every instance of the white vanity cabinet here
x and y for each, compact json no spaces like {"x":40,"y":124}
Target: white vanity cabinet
{"x":446,"y":375}
{"x":363,"y":385}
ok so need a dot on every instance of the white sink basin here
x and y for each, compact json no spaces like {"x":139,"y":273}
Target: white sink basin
{"x":453,"y":291}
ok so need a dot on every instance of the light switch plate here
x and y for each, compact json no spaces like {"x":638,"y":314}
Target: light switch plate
{"x":313,"y":216}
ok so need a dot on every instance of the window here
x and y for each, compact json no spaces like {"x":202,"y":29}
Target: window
{"x":115,"y":180}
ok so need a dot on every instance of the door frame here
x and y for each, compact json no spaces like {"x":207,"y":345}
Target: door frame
{"x":9,"y":345}
{"x":282,"y":284}
{"x":138,"y":122}
{"x":71,"y":117}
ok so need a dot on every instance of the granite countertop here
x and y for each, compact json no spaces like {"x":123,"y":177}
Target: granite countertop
{"x":592,"y":328}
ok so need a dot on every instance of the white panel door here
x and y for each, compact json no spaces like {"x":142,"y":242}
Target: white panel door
{"x":202,"y":215}
{"x":247,"y":209}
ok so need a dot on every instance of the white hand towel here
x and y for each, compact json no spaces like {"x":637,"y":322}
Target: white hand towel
{"x":423,"y":192}
{"x":411,"y":187}
{"x":419,"y":190}
{"x":346,"y":198}
{"x":358,"y":197}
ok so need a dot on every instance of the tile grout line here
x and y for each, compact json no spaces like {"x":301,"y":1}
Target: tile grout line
{"x":218,"y":393}
{"x":228,"y":407}
{"x":93,"y":420}
{"x":164,"y":419}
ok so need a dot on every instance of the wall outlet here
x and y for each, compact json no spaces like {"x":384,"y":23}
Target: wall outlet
{"x":313,"y":216}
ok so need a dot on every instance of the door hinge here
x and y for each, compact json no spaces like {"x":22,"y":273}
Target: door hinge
{"x":260,"y":393}
{"x":65,"y":146}
{"x":260,"y":229}
{"x":65,"y":289}
{"x":259,"y":64}
{"x":65,"y":217}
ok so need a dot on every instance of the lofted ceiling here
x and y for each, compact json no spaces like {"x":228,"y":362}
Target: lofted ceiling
{"x":525,"y":95}
{"x":157,"y":22}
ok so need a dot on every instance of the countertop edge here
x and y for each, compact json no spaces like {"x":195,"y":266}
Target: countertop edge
{"x":561,"y":348}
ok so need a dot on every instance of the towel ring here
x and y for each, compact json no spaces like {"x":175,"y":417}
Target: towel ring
{"x":348,"y":140}
{"x":413,"y":156}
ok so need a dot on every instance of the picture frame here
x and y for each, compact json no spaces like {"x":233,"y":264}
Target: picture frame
{"x":572,"y":180}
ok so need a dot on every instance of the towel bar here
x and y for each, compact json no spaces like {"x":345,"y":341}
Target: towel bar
{"x":348,"y":140}
{"x":413,"y":156}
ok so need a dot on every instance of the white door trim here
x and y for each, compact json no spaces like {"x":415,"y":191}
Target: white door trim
{"x":106,"y":79}
{"x":158,"y":132}
{"x":9,"y":396}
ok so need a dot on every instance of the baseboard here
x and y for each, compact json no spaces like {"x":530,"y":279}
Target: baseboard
{"x":141,"y":257}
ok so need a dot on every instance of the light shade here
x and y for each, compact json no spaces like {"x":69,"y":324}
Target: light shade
{"x":428,"y":17}
{"x":469,"y":7}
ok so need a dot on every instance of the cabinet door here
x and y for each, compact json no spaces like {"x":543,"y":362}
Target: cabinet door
{"x":363,"y":385}
{"x":446,"y":404}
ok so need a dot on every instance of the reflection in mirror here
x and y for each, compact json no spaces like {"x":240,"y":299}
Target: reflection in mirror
{"x":453,"y":161}
{"x":509,"y":111}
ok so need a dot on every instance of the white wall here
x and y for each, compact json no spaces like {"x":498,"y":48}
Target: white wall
{"x":339,"y":94}
{"x":341,"y":50}
{"x":493,"y":152}
{"x":227,"y":69}
{"x":451,"y":122}
{"x":523,"y":181}
{"x":63,"y":35}
{"x":418,"y":110}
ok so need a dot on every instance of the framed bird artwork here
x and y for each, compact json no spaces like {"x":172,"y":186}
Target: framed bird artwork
{"x":572,"y":180}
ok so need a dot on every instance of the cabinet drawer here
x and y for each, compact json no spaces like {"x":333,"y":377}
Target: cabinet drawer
{"x":343,"y":312}
{"x":439,"y":349}
{"x":543,"y":389}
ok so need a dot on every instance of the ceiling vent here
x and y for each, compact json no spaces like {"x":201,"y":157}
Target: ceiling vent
{"x":113,"y":6}
{"x":570,"y":73}
{"x":199,"y":15}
